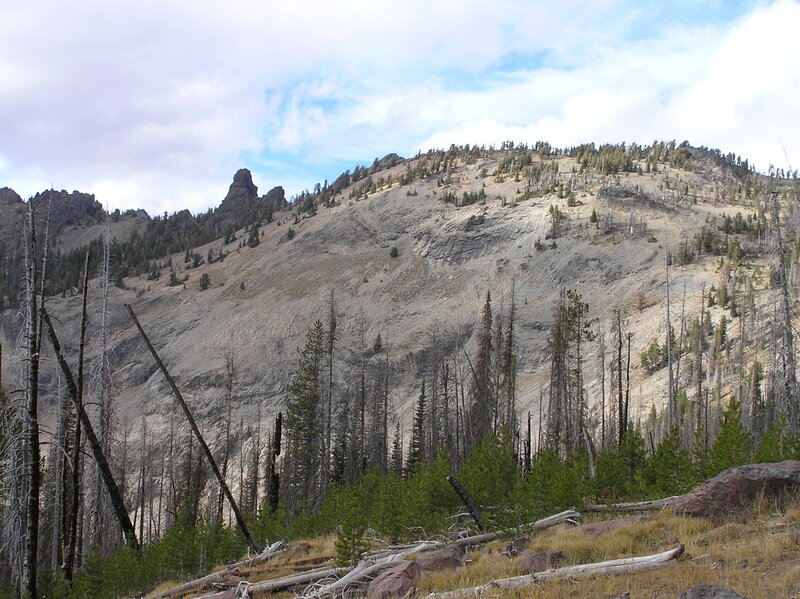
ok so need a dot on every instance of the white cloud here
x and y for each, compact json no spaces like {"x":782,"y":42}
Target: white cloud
{"x":156,"y":104}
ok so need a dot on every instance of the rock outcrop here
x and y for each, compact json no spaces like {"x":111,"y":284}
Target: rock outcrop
{"x":728,"y":494}
{"x":709,"y":591}
{"x":447,"y":558}
{"x":539,"y":561}
{"x":397,"y":582}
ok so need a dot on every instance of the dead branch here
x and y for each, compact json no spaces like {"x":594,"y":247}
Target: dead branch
{"x":638,"y":506}
{"x":357,"y":578}
{"x":303,"y":578}
{"x":273,"y":550}
{"x":607,"y":568}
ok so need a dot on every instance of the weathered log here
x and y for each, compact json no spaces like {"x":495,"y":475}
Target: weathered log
{"x":303,"y":578}
{"x":560,"y":518}
{"x":276,"y":548}
{"x":606,"y":568}
{"x":357,"y":578}
{"x":542,"y":524}
{"x":637,"y":506}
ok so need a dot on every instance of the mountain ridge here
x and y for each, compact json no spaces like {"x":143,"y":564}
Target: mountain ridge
{"x":449,"y":253}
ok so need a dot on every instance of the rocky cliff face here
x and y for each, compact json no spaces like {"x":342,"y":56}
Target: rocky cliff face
{"x":429,"y":298}
{"x":243,"y":202}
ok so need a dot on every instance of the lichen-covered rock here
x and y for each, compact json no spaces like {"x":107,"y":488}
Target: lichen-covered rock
{"x":709,"y":591}
{"x":533,"y":561}
{"x":731,"y":491}
{"x":446,"y":558}
{"x":396,"y":582}
{"x":515,"y":547}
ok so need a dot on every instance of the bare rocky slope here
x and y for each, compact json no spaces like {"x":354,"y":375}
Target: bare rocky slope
{"x":262,"y":300}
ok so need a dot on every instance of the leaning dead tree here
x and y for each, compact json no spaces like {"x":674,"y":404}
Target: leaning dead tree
{"x":102,"y":463}
{"x":211,"y":461}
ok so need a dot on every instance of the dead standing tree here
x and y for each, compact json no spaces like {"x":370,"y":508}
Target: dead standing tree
{"x":102,"y":463}
{"x":787,"y":389}
{"x":209,"y":457}
{"x":31,"y":456}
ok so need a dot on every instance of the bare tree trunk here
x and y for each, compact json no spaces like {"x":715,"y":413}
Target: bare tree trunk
{"x":602,"y":341}
{"x":31,"y":447}
{"x":108,"y":478}
{"x":671,"y":401}
{"x":622,"y":422}
{"x":698,"y":407}
{"x":787,"y":350}
{"x":234,"y":506}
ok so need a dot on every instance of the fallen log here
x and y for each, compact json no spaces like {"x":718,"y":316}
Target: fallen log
{"x":293,"y":580}
{"x":386,"y":559}
{"x":357,"y":578}
{"x":276,"y":548}
{"x":542,"y":524}
{"x":637,"y":506}
{"x":607,"y":568}
{"x":374,"y":565}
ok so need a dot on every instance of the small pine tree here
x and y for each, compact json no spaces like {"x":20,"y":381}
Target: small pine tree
{"x":733,"y":445}
{"x":253,"y":238}
{"x":205,"y":281}
{"x":350,"y":543}
{"x":669,"y":470}
{"x":416,"y":449}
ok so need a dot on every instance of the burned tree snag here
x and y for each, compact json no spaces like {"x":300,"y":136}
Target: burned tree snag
{"x":102,"y":463}
{"x":234,"y":506}
{"x":467,"y":500}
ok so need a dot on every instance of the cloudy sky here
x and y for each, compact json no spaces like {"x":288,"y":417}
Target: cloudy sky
{"x":156,"y":103}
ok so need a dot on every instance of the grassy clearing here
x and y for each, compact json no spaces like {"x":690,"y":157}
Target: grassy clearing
{"x":760,"y":559}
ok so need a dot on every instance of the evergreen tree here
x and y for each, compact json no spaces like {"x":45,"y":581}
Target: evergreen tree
{"x":304,"y":422}
{"x":253,"y":238}
{"x":733,"y":445}
{"x":669,"y":470}
{"x":777,"y":444}
{"x":416,"y":450}
{"x":482,"y":410}
{"x":619,"y":470}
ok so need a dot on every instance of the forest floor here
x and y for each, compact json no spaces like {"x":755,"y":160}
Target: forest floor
{"x":758,"y":558}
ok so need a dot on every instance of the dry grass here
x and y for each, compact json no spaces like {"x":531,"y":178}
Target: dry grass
{"x":321,"y":553}
{"x":760,"y":559}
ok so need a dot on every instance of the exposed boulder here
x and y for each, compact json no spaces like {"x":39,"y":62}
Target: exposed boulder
{"x":397,"y":582}
{"x":728,"y":494}
{"x":299,"y":549}
{"x":535,"y":561}
{"x":595,"y":529}
{"x":709,"y":591}
{"x":446,"y":558}
{"x":515,"y":547}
